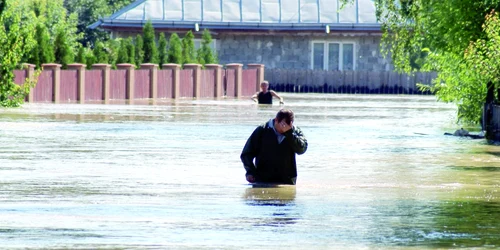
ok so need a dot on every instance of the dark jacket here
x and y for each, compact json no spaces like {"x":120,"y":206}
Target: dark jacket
{"x":274,"y":162}
{"x":265,"y":98}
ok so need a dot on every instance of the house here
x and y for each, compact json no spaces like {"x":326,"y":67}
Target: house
{"x":288,"y":34}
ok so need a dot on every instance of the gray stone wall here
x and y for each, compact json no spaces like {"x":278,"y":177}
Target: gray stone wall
{"x":294,"y":52}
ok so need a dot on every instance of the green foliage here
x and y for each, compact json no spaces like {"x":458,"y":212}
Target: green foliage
{"x":436,"y":35}
{"x":129,"y":44}
{"x":62,"y":50}
{"x":88,"y":12}
{"x":139,"y":50}
{"x":175,"y":49}
{"x":90,"y":58}
{"x":123,"y":56}
{"x":150,"y":49}
{"x":100,"y":53}
{"x":16,"y":39}
{"x":44,"y":51}
{"x":162,"y":49}
{"x":81,"y":56}
{"x":188,"y":50}
{"x":205,"y":53}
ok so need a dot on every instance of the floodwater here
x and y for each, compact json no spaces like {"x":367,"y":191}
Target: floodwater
{"x":378,"y":174}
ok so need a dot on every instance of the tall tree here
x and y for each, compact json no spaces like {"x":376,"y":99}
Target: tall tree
{"x":188,"y":50}
{"x":16,"y":39}
{"x":175,"y":49}
{"x":81,"y":55}
{"x":43,"y":52}
{"x":443,"y":30}
{"x":139,"y":50}
{"x":123,"y":56}
{"x":129,"y":44}
{"x":100,"y":53}
{"x":205,"y":53}
{"x":162,"y":49}
{"x":64,"y":54}
{"x":150,"y":47}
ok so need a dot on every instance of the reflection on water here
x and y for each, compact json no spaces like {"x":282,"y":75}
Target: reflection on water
{"x":379,"y":174}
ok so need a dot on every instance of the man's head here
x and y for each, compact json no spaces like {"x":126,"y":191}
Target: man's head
{"x":285,"y":115}
{"x":264,"y":86}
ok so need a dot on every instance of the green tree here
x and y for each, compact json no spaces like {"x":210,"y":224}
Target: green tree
{"x":64,"y":54}
{"x":81,"y":56}
{"x":16,"y":39}
{"x":175,"y":49}
{"x":205,"y":53}
{"x":139,"y":50}
{"x":150,"y":47}
{"x":100,"y":53}
{"x":188,"y":50}
{"x":129,"y":44}
{"x":162,"y":49}
{"x":90,"y":58}
{"x":442,"y":30}
{"x":123,"y":56}
{"x":43,"y":52}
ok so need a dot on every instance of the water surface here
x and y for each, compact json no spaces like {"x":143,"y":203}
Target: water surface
{"x":378,"y":174}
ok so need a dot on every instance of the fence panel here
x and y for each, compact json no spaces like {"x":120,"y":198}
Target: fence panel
{"x":142,"y":84}
{"x":207,"y":88}
{"x":249,"y":78}
{"x":230,"y":82}
{"x":69,"y":86}
{"x":43,"y":91}
{"x":93,"y":85}
{"x":165,"y":83}
{"x":20,"y":76}
{"x":118,"y":84}
{"x":186,"y":83}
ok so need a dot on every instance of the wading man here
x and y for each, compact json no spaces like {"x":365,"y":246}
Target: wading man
{"x":273,"y":145}
{"x":265,"y":96}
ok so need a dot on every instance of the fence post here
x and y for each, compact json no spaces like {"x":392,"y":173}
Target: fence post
{"x":153,"y":79}
{"x":175,"y":78}
{"x":218,"y":78}
{"x":196,"y":77}
{"x":56,"y":79}
{"x":80,"y":82}
{"x":238,"y":69}
{"x":260,"y":73}
{"x":106,"y":72}
{"x":130,"y":82}
{"x":30,"y":74}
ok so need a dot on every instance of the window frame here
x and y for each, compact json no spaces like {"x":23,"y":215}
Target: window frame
{"x":326,"y":52}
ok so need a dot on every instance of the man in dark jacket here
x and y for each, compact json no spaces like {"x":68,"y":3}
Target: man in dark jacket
{"x":273,"y":145}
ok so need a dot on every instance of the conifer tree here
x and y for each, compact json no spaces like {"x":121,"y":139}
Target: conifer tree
{"x":205,"y":53}
{"x":175,"y":49}
{"x":62,"y":50}
{"x":188,"y":50}
{"x":90,"y":58}
{"x":139,"y":50}
{"x":123,"y":56}
{"x":162,"y":49}
{"x":43,"y":52}
{"x":100,"y":55}
{"x":150,"y":49}
{"x":81,"y":55}
{"x":129,"y":44}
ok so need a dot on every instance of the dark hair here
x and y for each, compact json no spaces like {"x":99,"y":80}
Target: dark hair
{"x":285,"y":114}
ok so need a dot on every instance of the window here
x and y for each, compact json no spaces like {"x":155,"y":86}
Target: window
{"x":333,"y":56}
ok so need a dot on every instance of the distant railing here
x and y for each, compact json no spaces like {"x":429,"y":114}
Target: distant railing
{"x":350,"y":82}
{"x":101,"y":83}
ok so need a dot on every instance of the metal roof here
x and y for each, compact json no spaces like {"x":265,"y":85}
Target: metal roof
{"x":246,"y":14}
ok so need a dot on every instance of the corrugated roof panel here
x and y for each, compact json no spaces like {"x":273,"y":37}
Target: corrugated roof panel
{"x":366,"y":11}
{"x":250,"y":10}
{"x":271,"y":11}
{"x":194,"y":7}
{"x":154,"y":10}
{"x":328,"y":11}
{"x":212,"y":11}
{"x":231,"y":11}
{"x":173,"y":10}
{"x":289,"y":11}
{"x":136,"y":13}
{"x":309,"y":11}
{"x":348,"y":14}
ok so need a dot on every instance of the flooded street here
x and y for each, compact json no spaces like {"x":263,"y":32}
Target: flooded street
{"x":378,"y":174}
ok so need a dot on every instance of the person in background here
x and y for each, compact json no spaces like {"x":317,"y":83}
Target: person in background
{"x":273,"y":145}
{"x":266,"y":96}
